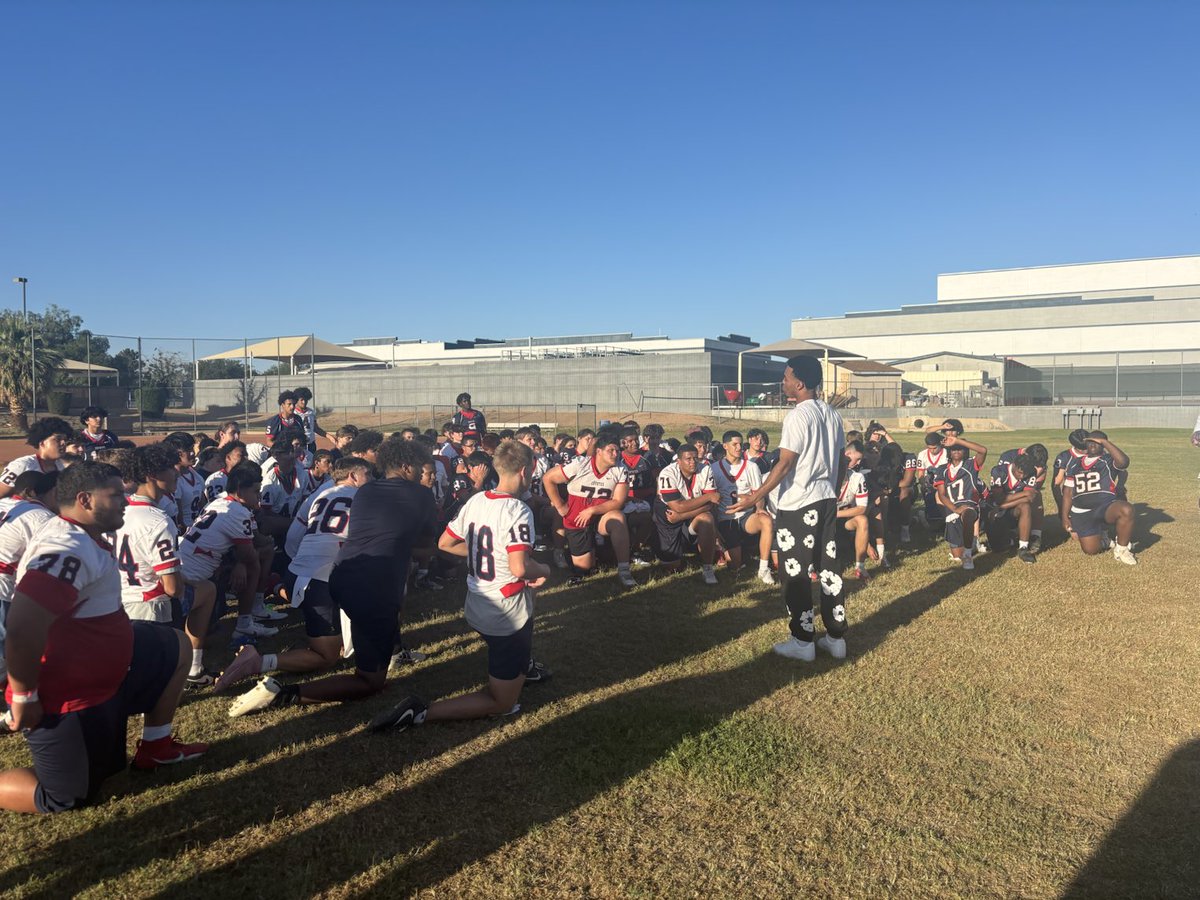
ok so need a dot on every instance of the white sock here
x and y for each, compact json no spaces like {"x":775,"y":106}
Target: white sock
{"x":1023,"y":545}
{"x":197,"y":662}
{"x":882,"y":551}
{"x":270,"y":662}
{"x":155,"y":732}
{"x":861,"y":566}
{"x":763,"y":566}
{"x":245,"y":622}
{"x":622,"y":567}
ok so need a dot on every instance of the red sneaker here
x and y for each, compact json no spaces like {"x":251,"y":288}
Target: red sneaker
{"x":165,"y":752}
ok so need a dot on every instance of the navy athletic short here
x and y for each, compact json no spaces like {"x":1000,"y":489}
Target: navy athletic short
{"x":955,"y":536}
{"x":73,"y":753}
{"x":508,"y":654}
{"x":1088,"y":519}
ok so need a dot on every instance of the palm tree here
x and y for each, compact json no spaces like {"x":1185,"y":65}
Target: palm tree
{"x":15,"y":387}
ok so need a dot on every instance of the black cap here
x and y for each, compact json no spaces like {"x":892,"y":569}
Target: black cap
{"x":806,"y":369}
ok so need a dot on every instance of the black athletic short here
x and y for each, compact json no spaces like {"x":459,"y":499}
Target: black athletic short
{"x":372,"y":603}
{"x":581,"y":541}
{"x":73,"y":753}
{"x":508,"y":654}
{"x":674,"y":539}
{"x":321,"y":615}
{"x":733,"y":532}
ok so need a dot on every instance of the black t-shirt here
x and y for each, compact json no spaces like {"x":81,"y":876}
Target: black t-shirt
{"x":390,"y":516}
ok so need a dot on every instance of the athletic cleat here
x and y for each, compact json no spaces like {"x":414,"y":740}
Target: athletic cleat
{"x":405,"y":657}
{"x":536,"y":672}
{"x":262,"y":611}
{"x":246,"y":664}
{"x":254,"y":630}
{"x":637,"y":562}
{"x":541,"y":547}
{"x":263,"y":695}
{"x":968,"y":563}
{"x":574,"y":580}
{"x":794,"y":648}
{"x":710,"y":577}
{"x":861,"y":574}
{"x":766,"y":577}
{"x":560,"y":558}
{"x":199,"y":681}
{"x":165,"y":751}
{"x":835,"y":647}
{"x":408,"y":712}
{"x":626,"y":579}
{"x":1124,"y":554}
{"x":1025,"y":555}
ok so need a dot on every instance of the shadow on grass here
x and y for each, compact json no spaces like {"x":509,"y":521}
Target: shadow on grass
{"x":1154,"y":850}
{"x":461,"y":815}
{"x":1145,"y":518}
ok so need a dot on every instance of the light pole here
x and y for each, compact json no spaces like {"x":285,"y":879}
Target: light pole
{"x":23,"y":282}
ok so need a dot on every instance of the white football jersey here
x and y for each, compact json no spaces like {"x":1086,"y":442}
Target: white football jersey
{"x":283,"y":494}
{"x":672,"y":485}
{"x":147,"y":548}
{"x":22,"y":464}
{"x":492,"y":524}
{"x":19,"y":521}
{"x":853,"y":491}
{"x":586,"y":486}
{"x":224,"y":522}
{"x":74,"y":576}
{"x":295,"y":532}
{"x":214,"y":485}
{"x":328,"y":526}
{"x":256,"y":452}
{"x":733,"y":482}
{"x":189,"y":495}
{"x":932,"y":458}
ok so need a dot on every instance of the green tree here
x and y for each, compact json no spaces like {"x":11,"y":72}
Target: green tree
{"x":16,"y":382}
{"x":213,"y":369}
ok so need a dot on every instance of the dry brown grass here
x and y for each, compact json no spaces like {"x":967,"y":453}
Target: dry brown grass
{"x":1028,"y":731}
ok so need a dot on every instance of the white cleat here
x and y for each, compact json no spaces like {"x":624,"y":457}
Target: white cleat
{"x":262,"y":611}
{"x":1124,"y":554}
{"x":766,"y":577}
{"x":258,"y":697}
{"x":255,"y":630}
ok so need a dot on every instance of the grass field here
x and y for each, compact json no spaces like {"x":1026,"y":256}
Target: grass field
{"x":1026,"y":731}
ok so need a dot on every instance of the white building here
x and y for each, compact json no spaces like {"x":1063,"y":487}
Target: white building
{"x":1146,"y":308}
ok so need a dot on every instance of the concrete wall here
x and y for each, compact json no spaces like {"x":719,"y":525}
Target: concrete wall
{"x":1181,"y":417}
{"x":677,"y":381}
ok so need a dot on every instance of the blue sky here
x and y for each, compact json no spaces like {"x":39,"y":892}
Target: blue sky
{"x":445,"y":170}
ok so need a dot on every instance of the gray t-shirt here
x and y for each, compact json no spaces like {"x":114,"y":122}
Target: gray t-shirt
{"x":813,"y":431}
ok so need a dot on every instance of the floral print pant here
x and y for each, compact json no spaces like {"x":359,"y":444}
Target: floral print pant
{"x":808,"y":564}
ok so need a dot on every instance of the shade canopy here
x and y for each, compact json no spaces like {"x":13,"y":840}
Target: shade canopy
{"x":797,"y":347}
{"x":75,"y":366}
{"x":301,"y":348}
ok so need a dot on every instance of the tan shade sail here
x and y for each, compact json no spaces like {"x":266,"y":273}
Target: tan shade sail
{"x":303,"y":348}
{"x":74,"y":365}
{"x":796,"y":346}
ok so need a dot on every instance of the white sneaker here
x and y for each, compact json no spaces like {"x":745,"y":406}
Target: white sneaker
{"x":794,"y":648}
{"x":262,"y":611}
{"x":835,"y":647}
{"x":1124,"y":554}
{"x":905,"y":536}
{"x":258,"y":697}
{"x":255,"y":629}
{"x":560,"y":558}
{"x":626,"y":579}
{"x":766,"y":577}
{"x":710,"y":577}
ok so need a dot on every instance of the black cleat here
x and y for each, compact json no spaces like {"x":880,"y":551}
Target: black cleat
{"x":409,"y":711}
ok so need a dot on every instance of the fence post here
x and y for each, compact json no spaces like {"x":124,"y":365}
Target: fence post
{"x":1181,"y":379}
{"x":246,"y":381}
{"x":141,"y":421}
{"x":195,"y":380}
{"x":1117,"y":381}
{"x":88,"y":335}
{"x":33,"y":366}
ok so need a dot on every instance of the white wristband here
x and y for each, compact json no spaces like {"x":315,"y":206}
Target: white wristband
{"x":27,"y":697}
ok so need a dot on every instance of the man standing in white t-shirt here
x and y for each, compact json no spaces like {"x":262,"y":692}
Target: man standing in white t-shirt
{"x":807,"y":473}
